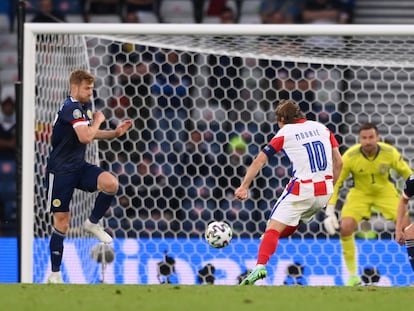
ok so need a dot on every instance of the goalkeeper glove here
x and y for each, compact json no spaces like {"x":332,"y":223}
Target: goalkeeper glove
{"x":331,"y":221}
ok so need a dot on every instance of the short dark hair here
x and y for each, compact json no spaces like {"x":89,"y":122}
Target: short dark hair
{"x":226,"y":9}
{"x":289,"y":111}
{"x":227,"y":12}
{"x":368,"y":126}
{"x":7,"y":101}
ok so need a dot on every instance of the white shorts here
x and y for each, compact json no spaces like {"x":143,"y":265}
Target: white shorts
{"x":290,"y":209}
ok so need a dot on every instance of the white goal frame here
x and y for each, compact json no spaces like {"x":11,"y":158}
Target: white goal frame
{"x":29,"y":59}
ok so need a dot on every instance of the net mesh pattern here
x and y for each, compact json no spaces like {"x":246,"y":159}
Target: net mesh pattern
{"x":56,"y":57}
{"x":349,"y":50}
{"x":203,"y":107}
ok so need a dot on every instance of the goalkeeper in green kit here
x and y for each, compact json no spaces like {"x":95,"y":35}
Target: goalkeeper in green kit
{"x":369,"y":163}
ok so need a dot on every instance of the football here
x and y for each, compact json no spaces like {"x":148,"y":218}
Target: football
{"x":218,"y":234}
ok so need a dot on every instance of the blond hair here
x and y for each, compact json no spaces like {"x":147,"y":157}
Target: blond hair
{"x":79,"y":75}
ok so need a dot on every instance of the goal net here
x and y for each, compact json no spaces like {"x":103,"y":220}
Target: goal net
{"x":56,"y":57}
{"x":202,"y":101}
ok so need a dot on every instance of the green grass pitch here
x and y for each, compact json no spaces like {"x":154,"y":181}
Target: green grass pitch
{"x":102,"y":297}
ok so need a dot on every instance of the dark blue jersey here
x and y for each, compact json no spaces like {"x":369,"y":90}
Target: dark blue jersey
{"x":408,"y":190}
{"x":68,"y":153}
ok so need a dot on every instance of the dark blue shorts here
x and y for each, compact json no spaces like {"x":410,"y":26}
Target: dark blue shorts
{"x":60,"y":187}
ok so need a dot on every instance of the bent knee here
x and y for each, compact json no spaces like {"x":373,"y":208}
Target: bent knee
{"x":108,"y":183}
{"x":61,"y":222}
{"x":348,"y":226}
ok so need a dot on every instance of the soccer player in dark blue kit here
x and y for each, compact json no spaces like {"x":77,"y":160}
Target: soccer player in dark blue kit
{"x":76,"y":126}
{"x":405,"y":235}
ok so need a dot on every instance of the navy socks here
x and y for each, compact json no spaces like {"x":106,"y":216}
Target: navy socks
{"x":56,"y":249}
{"x":102,"y":203}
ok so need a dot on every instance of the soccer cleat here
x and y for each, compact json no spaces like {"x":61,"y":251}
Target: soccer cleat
{"x":55,"y":278}
{"x":257,"y":274}
{"x":97,"y":231}
{"x":353,"y":280}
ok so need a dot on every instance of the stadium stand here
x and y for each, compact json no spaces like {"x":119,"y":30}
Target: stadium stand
{"x":383,"y":12}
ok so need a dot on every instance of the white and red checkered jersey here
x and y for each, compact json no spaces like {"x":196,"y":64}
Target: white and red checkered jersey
{"x":308,"y":145}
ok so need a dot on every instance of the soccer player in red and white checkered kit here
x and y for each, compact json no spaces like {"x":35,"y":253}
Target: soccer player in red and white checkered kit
{"x":316,"y":164}
{"x":76,"y":126}
{"x":405,"y":235}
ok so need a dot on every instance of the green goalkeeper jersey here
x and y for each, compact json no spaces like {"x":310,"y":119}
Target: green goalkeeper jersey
{"x":371,"y":175}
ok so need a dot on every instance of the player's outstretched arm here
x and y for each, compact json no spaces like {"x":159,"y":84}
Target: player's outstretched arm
{"x":120,"y":130}
{"x":241,"y":193}
{"x":86,"y":134}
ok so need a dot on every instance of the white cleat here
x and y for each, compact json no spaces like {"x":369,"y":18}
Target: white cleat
{"x":55,"y":278}
{"x":97,"y":231}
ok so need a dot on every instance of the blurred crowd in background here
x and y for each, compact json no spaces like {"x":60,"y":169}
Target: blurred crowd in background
{"x":199,"y":137}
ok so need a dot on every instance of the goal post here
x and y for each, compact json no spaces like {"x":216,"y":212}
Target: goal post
{"x":202,"y":98}
{"x":28,"y":158}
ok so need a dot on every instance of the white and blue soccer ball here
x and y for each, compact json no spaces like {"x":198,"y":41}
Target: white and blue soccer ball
{"x":218,"y":234}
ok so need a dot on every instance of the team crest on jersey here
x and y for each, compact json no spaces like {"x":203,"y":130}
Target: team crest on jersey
{"x":77,"y":114}
{"x":384,"y":168}
{"x":89,"y":113}
{"x":56,"y":202}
